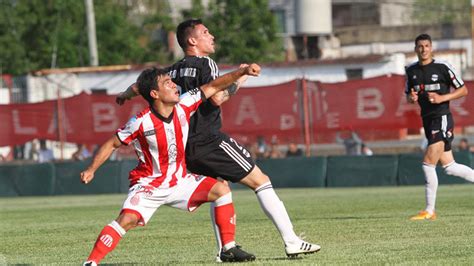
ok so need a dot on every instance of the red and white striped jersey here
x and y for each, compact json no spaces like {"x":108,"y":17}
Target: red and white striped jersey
{"x":160,"y":142}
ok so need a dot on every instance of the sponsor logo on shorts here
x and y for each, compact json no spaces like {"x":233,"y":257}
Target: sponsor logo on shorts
{"x":135,"y":200}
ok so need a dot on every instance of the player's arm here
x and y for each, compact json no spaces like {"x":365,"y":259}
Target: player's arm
{"x":128,"y":94}
{"x":412,"y":97}
{"x":102,"y":155}
{"x":456,"y":94}
{"x":226,"y":80}
{"x":223,"y":96}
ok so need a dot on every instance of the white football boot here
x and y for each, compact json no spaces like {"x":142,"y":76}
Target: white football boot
{"x":292,"y":250}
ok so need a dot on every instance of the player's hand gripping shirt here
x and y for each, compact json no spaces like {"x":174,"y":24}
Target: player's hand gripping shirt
{"x":437,"y":77}
{"x":160,"y":142}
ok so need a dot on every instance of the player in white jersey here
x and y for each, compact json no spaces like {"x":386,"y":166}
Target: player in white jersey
{"x":159,"y":134}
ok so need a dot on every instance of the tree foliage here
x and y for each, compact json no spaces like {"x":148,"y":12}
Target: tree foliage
{"x":245,"y":30}
{"x":442,"y":11}
{"x":36,"y":34}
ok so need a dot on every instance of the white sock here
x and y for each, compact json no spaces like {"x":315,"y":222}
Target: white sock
{"x":228,"y":246}
{"x":273,"y":207}
{"x":459,"y":170}
{"x":431,"y":186}
{"x":215,"y":227}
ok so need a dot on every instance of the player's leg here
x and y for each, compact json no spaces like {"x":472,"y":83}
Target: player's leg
{"x":110,"y":236}
{"x":141,"y":203}
{"x":450,"y":166}
{"x":435,"y":133}
{"x":232,"y":162}
{"x":274,"y":208}
{"x":226,"y":221}
{"x":195,"y":190}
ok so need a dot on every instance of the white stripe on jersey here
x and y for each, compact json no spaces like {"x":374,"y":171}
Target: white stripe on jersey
{"x":455,"y":77}
{"x":235,"y":156}
{"x":148,"y":125}
{"x":139,"y":150}
{"x":181,"y":114}
{"x":172,"y":147}
{"x":213,"y":67}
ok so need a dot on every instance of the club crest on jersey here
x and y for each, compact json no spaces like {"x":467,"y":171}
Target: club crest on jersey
{"x":149,"y":133}
{"x":434,"y":77}
{"x":414,"y":76}
{"x":172,"y":153}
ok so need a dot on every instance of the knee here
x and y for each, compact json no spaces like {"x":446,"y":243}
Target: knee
{"x":221,"y":188}
{"x":128,"y":221}
{"x":255,"y":179}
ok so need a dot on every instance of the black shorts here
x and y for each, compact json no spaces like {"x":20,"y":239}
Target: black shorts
{"x":224,"y":158}
{"x":439,"y":129}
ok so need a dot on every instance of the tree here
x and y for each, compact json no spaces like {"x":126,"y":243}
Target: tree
{"x":245,"y":30}
{"x":442,"y":11}
{"x":36,"y":34}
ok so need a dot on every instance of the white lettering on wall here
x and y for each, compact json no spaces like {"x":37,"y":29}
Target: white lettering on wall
{"x":104,"y":117}
{"x":247,"y":111}
{"x":369,"y":103}
{"x":19,"y":129}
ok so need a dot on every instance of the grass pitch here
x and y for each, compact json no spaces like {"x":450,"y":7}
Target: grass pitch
{"x":353,"y":226}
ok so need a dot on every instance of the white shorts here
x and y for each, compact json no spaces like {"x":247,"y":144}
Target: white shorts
{"x":190,"y":192}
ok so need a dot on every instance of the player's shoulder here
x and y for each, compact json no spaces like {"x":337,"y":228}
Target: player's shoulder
{"x":138,"y":118}
{"x":412,"y":66}
{"x":442,"y":63}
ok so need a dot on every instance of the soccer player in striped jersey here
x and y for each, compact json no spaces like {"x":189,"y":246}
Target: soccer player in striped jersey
{"x":159,"y":134}
{"x":211,"y":152}
{"x":429,"y":83}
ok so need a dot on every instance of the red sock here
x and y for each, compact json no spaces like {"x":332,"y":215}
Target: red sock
{"x":106,"y":242}
{"x":225,"y":220}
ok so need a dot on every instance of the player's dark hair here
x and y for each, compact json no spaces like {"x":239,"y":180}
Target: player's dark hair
{"x":184,"y":30}
{"x":148,"y":81}
{"x":422,"y":37}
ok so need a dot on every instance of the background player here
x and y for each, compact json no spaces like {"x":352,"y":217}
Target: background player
{"x":159,"y":134}
{"x":211,"y":152}
{"x":429,"y":83}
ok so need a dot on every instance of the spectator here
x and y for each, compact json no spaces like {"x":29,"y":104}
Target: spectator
{"x":293,"y":150}
{"x":261,"y":149}
{"x":273,"y":152}
{"x":352,"y":143}
{"x":45,"y":154}
{"x":82,"y":153}
{"x":464,"y":146}
{"x":366,"y":150}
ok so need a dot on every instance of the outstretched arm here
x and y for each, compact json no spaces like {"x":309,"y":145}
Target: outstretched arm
{"x":226,"y":80}
{"x":223,"y":96}
{"x":128,"y":94}
{"x":102,"y":155}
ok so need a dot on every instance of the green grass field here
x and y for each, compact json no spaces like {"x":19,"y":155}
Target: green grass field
{"x":353,"y":226}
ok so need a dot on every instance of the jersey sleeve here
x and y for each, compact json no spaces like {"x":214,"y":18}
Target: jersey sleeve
{"x":456,"y":80}
{"x":209,"y":70}
{"x":129,"y":131}
{"x":191,"y":100}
